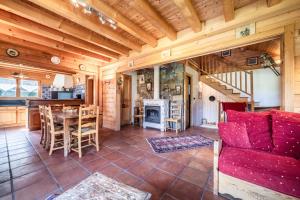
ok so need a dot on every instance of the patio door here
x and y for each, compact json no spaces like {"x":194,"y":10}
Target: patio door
{"x":126,"y":100}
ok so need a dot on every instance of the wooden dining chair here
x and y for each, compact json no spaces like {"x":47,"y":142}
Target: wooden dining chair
{"x":43,"y":125}
{"x":55,"y":132}
{"x":87,"y":133}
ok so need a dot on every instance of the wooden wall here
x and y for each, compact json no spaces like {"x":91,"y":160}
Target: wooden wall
{"x":297,"y":69}
{"x":215,"y":36}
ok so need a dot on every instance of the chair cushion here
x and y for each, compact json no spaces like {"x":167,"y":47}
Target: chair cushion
{"x":259,"y":127}
{"x":279,"y":173}
{"x":286,"y":133}
{"x":234,"y":134}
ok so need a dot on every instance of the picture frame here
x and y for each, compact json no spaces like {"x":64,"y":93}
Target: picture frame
{"x":226,"y":53}
{"x":141,"y":79}
{"x":149,"y":86}
{"x":178,"y":89}
{"x":252,"y":61}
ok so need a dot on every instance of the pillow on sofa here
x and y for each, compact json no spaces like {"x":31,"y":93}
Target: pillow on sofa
{"x":259,"y":127}
{"x":286,"y":133}
{"x":234,"y":134}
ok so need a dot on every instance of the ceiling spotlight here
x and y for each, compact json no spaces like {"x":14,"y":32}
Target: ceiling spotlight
{"x":101,"y":19}
{"x":82,"y":3}
{"x":87,"y":10}
{"x":75,"y":3}
{"x":114,"y":26}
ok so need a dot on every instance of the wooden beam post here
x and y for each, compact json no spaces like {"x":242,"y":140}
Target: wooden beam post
{"x":187,"y":9}
{"x":146,"y":10}
{"x":271,"y":3}
{"x":228,"y":8}
{"x":288,"y":68}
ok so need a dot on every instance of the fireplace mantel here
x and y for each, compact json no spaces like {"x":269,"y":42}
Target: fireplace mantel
{"x":164,"y":112}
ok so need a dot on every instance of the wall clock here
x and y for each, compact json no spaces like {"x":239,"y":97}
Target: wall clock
{"x":55,"y":60}
{"x":12,"y":52}
{"x":82,"y":67}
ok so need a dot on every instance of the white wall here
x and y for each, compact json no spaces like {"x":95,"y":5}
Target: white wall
{"x":211,"y":109}
{"x":266,"y":88}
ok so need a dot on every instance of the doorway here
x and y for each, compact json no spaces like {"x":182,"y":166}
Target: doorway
{"x":126,"y":100}
{"x":89,"y":90}
{"x":187,"y":100}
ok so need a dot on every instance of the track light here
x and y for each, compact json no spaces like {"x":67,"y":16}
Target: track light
{"x":87,"y":10}
{"x":75,"y":3}
{"x":101,"y":19}
{"x":114,"y":26}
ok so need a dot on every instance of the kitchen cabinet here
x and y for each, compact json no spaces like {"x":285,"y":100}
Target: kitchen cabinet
{"x":13,"y":116}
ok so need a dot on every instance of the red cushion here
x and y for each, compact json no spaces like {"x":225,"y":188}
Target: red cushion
{"x":234,"y":134}
{"x":279,"y":173}
{"x":286,"y":133}
{"x":259,"y":127}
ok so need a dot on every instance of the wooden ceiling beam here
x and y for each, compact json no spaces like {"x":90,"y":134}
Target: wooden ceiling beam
{"x":271,"y":3}
{"x":67,"y":10}
{"x":34,"y":14}
{"x":228,"y":9}
{"x":72,"y":59}
{"x":27,"y":25}
{"x":12,"y":31}
{"x":187,"y":9}
{"x":147,"y":11}
{"x":123,"y":22}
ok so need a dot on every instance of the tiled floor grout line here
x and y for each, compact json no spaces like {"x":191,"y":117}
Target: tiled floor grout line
{"x":206,"y":184}
{"x":49,"y":171}
{"x":10,"y":171}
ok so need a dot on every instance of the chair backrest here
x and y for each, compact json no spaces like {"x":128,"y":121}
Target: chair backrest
{"x":65,"y":108}
{"x":42,"y":113}
{"x":88,"y":118}
{"x":56,"y":107}
{"x":49,"y":118}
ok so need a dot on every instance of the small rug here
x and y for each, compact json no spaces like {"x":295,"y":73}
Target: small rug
{"x":178,"y":143}
{"x":100,"y":187}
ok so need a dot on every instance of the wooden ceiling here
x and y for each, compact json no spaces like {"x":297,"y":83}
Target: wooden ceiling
{"x":56,"y":27}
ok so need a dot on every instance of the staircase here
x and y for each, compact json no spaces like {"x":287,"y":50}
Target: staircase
{"x":226,"y":77}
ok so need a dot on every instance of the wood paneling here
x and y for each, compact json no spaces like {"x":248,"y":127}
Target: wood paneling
{"x":297,"y":69}
{"x":12,"y":116}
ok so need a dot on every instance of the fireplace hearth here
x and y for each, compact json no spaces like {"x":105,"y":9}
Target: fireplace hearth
{"x":155,"y":112}
{"x":152,"y":114}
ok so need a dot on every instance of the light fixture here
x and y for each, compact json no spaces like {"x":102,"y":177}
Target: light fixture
{"x":278,"y":61}
{"x":87,"y":9}
{"x":101,"y":19}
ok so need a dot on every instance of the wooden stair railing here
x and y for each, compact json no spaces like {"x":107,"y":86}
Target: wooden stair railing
{"x":226,"y":72}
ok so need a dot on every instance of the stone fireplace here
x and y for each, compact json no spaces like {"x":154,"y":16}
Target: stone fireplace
{"x":155,"y":112}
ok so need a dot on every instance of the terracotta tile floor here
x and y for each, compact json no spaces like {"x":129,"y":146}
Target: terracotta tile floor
{"x":28,"y":172}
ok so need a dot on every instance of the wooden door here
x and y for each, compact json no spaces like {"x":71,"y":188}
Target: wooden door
{"x":187,"y":101}
{"x":126,"y":100}
{"x":89,"y":90}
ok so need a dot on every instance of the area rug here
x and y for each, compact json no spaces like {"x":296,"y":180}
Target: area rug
{"x":178,"y":143}
{"x":99,"y":187}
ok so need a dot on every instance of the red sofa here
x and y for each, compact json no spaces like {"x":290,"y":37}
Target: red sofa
{"x":259,"y":155}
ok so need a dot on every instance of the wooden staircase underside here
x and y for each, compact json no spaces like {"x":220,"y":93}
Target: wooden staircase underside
{"x":222,"y":88}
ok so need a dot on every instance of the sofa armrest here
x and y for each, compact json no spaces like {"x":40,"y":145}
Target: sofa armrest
{"x":217,"y":150}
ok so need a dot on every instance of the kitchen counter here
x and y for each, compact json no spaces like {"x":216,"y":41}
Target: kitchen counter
{"x":12,"y":102}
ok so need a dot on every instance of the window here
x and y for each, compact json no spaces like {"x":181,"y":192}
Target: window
{"x":29,"y":88}
{"x":8,"y":87}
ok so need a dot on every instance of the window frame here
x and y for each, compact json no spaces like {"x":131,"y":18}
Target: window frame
{"x":27,"y":79}
{"x":18,"y":88}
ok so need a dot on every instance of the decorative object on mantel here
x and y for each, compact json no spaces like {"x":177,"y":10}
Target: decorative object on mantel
{"x":98,"y":186}
{"x":89,"y":10}
{"x":55,"y":60}
{"x":268,"y":62}
{"x":178,"y":89}
{"x":252,"y":61}
{"x":178,"y":143}
{"x":226,"y":53}
{"x":12,"y":52}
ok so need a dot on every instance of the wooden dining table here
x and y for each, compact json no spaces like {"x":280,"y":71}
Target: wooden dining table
{"x":68,"y":118}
